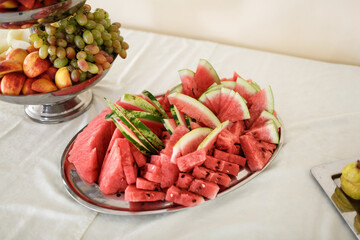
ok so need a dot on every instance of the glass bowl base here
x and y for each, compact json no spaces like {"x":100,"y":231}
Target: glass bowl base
{"x":60,"y":111}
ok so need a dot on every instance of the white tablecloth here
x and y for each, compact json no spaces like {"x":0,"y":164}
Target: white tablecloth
{"x":319,"y":104}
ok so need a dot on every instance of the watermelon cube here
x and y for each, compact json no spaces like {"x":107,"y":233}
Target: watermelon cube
{"x":212,"y":176}
{"x":169,"y":172}
{"x":230,"y":157}
{"x":139,"y":158}
{"x":127,"y":160}
{"x":179,"y":131}
{"x":226,"y":141}
{"x":187,"y":162}
{"x":112,"y":178}
{"x":184,"y":180}
{"x":204,"y":188}
{"x":221,"y":166}
{"x":183,"y":197}
{"x":132,"y":194}
{"x":151,"y":172}
{"x":144,"y":184}
{"x":155,"y":159}
{"x":116,"y":134}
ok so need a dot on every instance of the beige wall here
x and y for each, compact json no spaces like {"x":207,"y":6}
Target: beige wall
{"x":327,"y":30}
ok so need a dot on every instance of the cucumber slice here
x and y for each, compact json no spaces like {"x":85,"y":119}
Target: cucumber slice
{"x":148,"y":95}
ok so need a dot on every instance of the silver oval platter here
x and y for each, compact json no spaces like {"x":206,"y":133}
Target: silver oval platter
{"x":91,"y":197}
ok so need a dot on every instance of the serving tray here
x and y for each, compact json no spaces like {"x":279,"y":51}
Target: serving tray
{"x":91,"y":197}
{"x":328,"y":176}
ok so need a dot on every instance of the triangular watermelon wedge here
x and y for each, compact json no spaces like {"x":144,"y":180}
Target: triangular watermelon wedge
{"x":234,"y":106}
{"x":263,"y":100}
{"x":204,"y":77}
{"x":189,"y":86}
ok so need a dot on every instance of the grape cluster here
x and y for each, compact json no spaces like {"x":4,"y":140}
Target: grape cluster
{"x":85,"y":42}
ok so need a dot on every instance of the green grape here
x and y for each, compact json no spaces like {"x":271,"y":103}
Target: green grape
{"x":60,"y":62}
{"x":73,"y":63}
{"x":61,"y":43}
{"x":99,"y":27}
{"x":103,"y":22}
{"x":90,"y":16}
{"x":60,"y":35}
{"x":90,"y":58}
{"x":87,"y":8}
{"x":82,"y":76}
{"x":89,"y":75}
{"x":88,"y":37}
{"x":123,"y":53}
{"x":108,"y":43}
{"x":96,"y":34}
{"x":43,"y":51}
{"x":60,"y":52}
{"x":70,"y":29}
{"x":79,"y":42}
{"x":83,"y":65}
{"x":52,"y":58}
{"x":125,"y":45}
{"x":106,"y":15}
{"x":51,"y":40}
{"x":99,"y":41}
{"x":38,"y":43}
{"x":113,"y":28}
{"x":117,"y":50}
{"x":52,"y":50}
{"x":91,"y":49}
{"x":109,"y":50}
{"x":108,"y":23}
{"x":70,"y":38}
{"x":117,"y":24}
{"x":81,"y":55}
{"x":63,"y":23}
{"x":70,"y":52}
{"x":72,"y":21}
{"x":33,"y":37}
{"x":114,"y":36}
{"x":50,"y":30}
{"x":90,"y":24}
{"x":75,"y":75}
{"x":81,"y":19}
{"x":116,"y":44}
{"x":93,"y":68}
{"x":105,"y":35}
{"x":98,"y":15}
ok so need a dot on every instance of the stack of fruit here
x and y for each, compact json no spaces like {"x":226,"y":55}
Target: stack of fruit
{"x":23,"y":5}
{"x":184,"y":147}
{"x":62,"y":54}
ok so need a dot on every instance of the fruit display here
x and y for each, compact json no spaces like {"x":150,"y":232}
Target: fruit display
{"x":184,"y":147}
{"x":24,"y":5}
{"x":63,"y":54}
{"x":350,"y":180}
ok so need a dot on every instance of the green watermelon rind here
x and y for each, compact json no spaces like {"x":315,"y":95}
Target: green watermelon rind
{"x":140,"y":103}
{"x":177,"y":116}
{"x":145,"y":115}
{"x":270,"y":116}
{"x":132,"y":127}
{"x":168,"y":125}
{"x":214,"y":133}
{"x":188,"y":138}
{"x":256,"y":86}
{"x":274,"y":134}
{"x":211,"y":69}
{"x":199,"y":106}
{"x":177,"y":88}
{"x":249,"y":88}
{"x":227,"y":84}
{"x":148,"y":95}
{"x":269,"y":99}
{"x":188,"y":121}
{"x":128,"y":135}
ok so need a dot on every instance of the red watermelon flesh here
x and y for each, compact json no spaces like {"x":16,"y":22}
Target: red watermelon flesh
{"x":169,"y":172}
{"x":204,"y":188}
{"x":267,"y":146}
{"x":187,"y":162}
{"x":214,"y":98}
{"x":87,"y":166}
{"x":142,"y":183}
{"x":204,"y":77}
{"x":233,"y":158}
{"x":226,"y":141}
{"x":184,"y":180}
{"x":177,"y":134}
{"x":257,"y":156}
{"x":116,"y":134}
{"x":112,"y":178}
{"x":262,"y":100}
{"x":127,"y":160}
{"x":183,"y":197}
{"x":237,"y":128}
{"x":188,"y":83}
{"x":155,"y":159}
{"x":221,"y":166}
{"x":212,"y":176}
{"x":151,"y":172}
{"x":164,"y":102}
{"x":132,"y":194}
{"x":139,"y":158}
{"x":194,"y":125}
{"x":268,"y":132}
{"x":233,"y":106}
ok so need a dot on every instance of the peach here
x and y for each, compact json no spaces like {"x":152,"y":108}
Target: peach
{"x":34,"y":66}
{"x":17,"y":55}
{"x":31,"y":49}
{"x":8,"y":4}
{"x":52,"y":72}
{"x":62,"y":78}
{"x":9,"y":66}
{"x":12,"y":83}
{"x":27,"y":90}
{"x":43,"y":85}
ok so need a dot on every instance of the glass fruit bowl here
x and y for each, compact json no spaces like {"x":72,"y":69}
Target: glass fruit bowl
{"x":48,"y":14}
{"x":57,"y":106}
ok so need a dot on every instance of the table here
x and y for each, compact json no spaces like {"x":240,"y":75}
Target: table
{"x":318,"y":104}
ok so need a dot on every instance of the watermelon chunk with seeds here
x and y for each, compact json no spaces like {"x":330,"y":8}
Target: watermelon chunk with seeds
{"x":127,"y":160}
{"x":142,"y":183}
{"x":204,"y":188}
{"x":226,"y":141}
{"x":189,"y":86}
{"x":169,"y":172}
{"x":151,"y":172}
{"x":132,"y":194}
{"x":233,"y":158}
{"x":183,"y":197}
{"x":221,"y":166}
{"x":187,"y":162}
{"x":184,"y":180}
{"x":212,"y":176}
{"x":139,"y":158}
{"x":177,"y":134}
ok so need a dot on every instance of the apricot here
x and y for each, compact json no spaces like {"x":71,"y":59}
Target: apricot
{"x":12,"y":83}
{"x":43,"y":85}
{"x":9,"y":66}
{"x":62,"y":78}
{"x":17,"y":55}
{"x":34,"y":66}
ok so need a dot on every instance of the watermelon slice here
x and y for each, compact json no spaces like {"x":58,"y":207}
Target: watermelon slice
{"x":189,"y":142}
{"x":204,"y":188}
{"x":139,"y":158}
{"x":133,"y":102}
{"x":127,"y":161}
{"x":177,"y":88}
{"x":205,"y":76}
{"x":169,"y":125}
{"x":112,"y":178}
{"x":177,"y":116}
{"x":187,"y":162}
{"x":212,"y":176}
{"x":189,"y":86}
{"x":244,"y":88}
{"x":184,"y":180}
{"x":174,"y":138}
{"x":233,"y":158}
{"x":233,"y":106}
{"x":257,"y":156}
{"x":208,"y":142}
{"x":132,"y":194}
{"x":268,"y":132}
{"x":183,"y":197}
{"x":230,"y":84}
{"x":155,"y":159}
{"x":221,"y":166}
{"x":264,"y":117}
{"x":152,"y":99}
{"x":226,"y":141}
{"x":194,"y":109}
{"x":263,"y":100}
{"x":213,"y":97}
